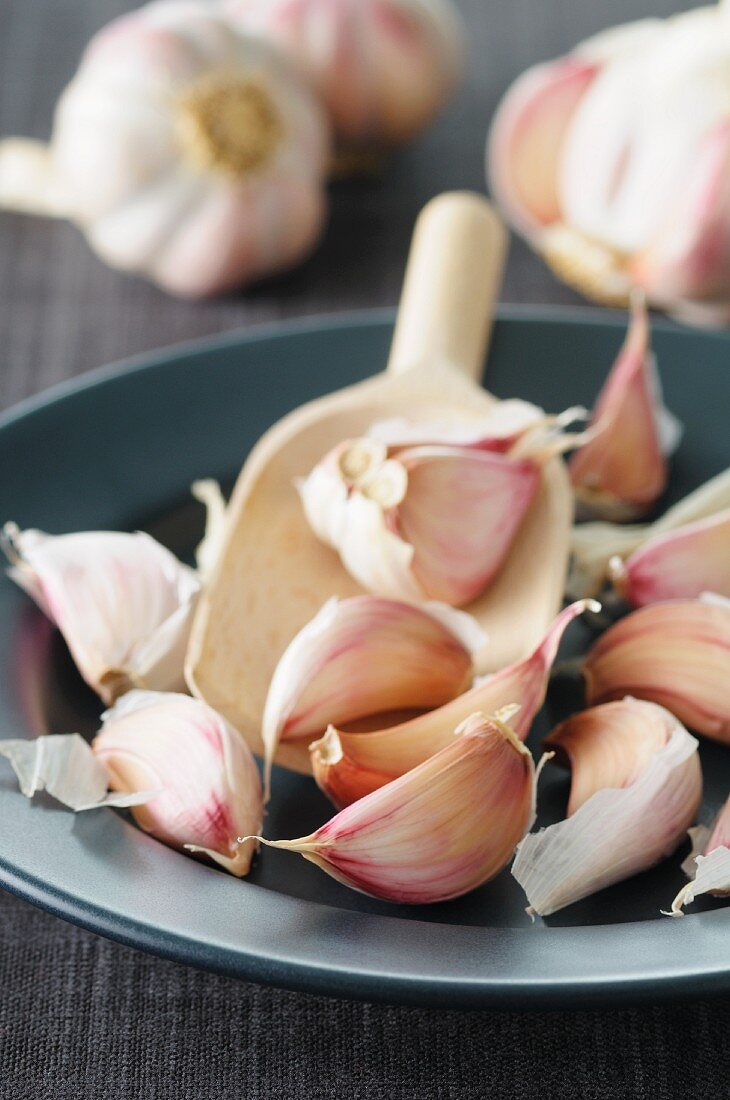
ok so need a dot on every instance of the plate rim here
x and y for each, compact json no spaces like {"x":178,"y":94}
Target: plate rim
{"x":316,"y":977}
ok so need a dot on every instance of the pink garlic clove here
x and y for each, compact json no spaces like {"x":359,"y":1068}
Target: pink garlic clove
{"x":210,"y":791}
{"x":621,"y":470}
{"x":617,"y":831}
{"x":366,"y":656}
{"x":348,"y":765}
{"x":675,"y":653}
{"x":405,"y":842}
{"x":527,"y":136}
{"x":681,"y":564}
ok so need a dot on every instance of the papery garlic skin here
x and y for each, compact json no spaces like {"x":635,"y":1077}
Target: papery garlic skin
{"x":185,"y":151}
{"x":709,"y":866}
{"x":123,"y":603}
{"x":616,"y":832}
{"x":432,"y":520}
{"x":365,"y":656}
{"x":383,"y":68}
{"x":207,"y":776}
{"x":347,"y":765}
{"x":677,"y":565}
{"x":675,"y":653}
{"x":438,"y":831}
{"x":64,"y":765}
{"x":594,"y":544}
{"x":612,"y":162}
{"x":621,"y":470}
{"x":208,"y":551}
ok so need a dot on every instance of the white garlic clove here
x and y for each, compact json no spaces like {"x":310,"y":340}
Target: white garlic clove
{"x":348,"y":765}
{"x":366,"y":656}
{"x":123,"y":603}
{"x":207,"y":779}
{"x":405,"y":842}
{"x":617,"y":831}
{"x":622,"y":469}
{"x":675,"y":653}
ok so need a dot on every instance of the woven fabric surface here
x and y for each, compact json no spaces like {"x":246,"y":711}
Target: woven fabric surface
{"x":81,"y":1017}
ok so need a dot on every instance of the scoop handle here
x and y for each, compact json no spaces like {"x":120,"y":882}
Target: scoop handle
{"x":452,"y":279}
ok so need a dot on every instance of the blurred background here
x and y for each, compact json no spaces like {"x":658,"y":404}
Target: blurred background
{"x":62,"y":311}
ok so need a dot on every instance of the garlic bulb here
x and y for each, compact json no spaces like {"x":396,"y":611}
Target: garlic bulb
{"x":440,"y":830}
{"x":205,"y":779}
{"x":383,"y":68}
{"x":185,"y":151}
{"x":614,"y":163}
{"x":123,"y":603}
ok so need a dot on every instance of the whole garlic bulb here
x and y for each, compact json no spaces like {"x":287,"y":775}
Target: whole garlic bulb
{"x":614,"y":163}
{"x":383,"y":68}
{"x":186,"y":151}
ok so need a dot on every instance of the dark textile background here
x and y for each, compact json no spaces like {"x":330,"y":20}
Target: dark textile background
{"x":84,"y":1018}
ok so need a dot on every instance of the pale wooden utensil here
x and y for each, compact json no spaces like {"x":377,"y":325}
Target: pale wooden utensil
{"x":274,"y":575}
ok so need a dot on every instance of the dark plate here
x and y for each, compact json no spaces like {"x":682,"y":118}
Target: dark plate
{"x":119,"y":449}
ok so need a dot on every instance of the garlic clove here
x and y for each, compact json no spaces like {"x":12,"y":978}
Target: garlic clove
{"x":678,"y":565}
{"x":438,"y":831}
{"x":708,"y":865}
{"x":348,"y":765}
{"x":461,"y":514}
{"x":123,"y":603}
{"x":622,"y":470}
{"x":675,"y":653}
{"x":527,"y":136}
{"x":689,"y":257}
{"x":207,"y":776}
{"x":65,"y":767}
{"x":616,"y":832}
{"x":365,"y":656}
{"x":607,"y":746}
{"x":594,"y":544}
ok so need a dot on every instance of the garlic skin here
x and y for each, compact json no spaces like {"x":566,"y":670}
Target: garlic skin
{"x":405,"y":842}
{"x":210,"y":791}
{"x":680,"y":564}
{"x":615,"y":831}
{"x":613,"y":163}
{"x":347,"y":765}
{"x":208,"y":493}
{"x":365,"y":656}
{"x":708,"y":865}
{"x":595,"y":544}
{"x":621,"y":470}
{"x":185,"y":151}
{"x":675,"y":653}
{"x":433,"y":520}
{"x":383,"y":68}
{"x":123,"y":603}
{"x":64,"y":765}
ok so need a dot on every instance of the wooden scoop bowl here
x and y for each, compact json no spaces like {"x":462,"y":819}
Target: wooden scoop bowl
{"x":274,"y":575}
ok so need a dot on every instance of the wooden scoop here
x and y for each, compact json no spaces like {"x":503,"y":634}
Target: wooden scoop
{"x":274,"y":575}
